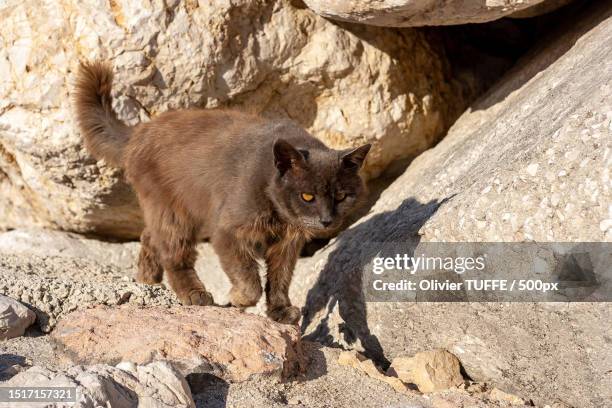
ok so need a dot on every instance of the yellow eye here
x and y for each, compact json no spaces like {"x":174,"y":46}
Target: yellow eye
{"x":307,"y":197}
{"x":340,"y":196}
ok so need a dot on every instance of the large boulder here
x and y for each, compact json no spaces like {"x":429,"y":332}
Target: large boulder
{"x":224,"y":342}
{"x":414,"y":13}
{"x":155,"y":385}
{"x":346,"y":84}
{"x":530,"y":161}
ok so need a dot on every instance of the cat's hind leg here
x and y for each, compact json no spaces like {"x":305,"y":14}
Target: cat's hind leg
{"x":150,"y":270}
{"x":175,"y":238}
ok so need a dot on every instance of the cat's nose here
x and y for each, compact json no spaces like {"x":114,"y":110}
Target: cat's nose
{"x":326,"y":222}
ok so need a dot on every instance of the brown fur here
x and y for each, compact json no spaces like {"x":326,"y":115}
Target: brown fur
{"x":224,"y":175}
{"x":104,"y":135}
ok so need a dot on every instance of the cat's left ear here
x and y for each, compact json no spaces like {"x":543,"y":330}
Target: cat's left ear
{"x":354,"y":158}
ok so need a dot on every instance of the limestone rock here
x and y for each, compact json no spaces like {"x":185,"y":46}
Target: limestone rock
{"x":360,"y":362}
{"x":332,"y":380}
{"x":530,"y":161}
{"x":102,"y":267}
{"x":15,"y":318}
{"x":325,"y":383}
{"x":498,"y":395}
{"x":539,"y":9}
{"x":432,"y":370}
{"x":155,"y":385}
{"x":47,"y":243}
{"x":224,"y":342}
{"x":414,"y":13}
{"x":55,"y":286}
{"x":346,"y":85}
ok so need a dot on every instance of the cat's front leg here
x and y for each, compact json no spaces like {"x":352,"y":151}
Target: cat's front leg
{"x":241,"y":268}
{"x":280,"y":260}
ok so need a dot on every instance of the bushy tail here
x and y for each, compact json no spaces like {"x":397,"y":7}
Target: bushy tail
{"x":105,"y":136}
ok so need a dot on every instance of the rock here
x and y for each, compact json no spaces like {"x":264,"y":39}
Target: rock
{"x":47,"y":243}
{"x":432,"y":370}
{"x":155,"y":385}
{"x":224,"y":342}
{"x":10,"y":371}
{"x":539,"y":9}
{"x":15,"y":318}
{"x":414,"y":13}
{"x":498,"y":395}
{"x":330,"y":382}
{"x":359,"y":362}
{"x":112,"y":266}
{"x":20,"y":353}
{"x":325,"y":383}
{"x":264,"y":56}
{"x":553,"y":110}
{"x":54,"y":285}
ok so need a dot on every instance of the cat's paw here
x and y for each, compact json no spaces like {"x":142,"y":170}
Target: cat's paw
{"x":244,"y":295}
{"x":198,"y":297}
{"x":285,"y":314}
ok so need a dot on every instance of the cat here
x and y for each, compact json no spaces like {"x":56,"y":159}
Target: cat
{"x":256,"y":188}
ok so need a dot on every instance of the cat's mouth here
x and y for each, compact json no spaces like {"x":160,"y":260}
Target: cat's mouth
{"x":319,"y":226}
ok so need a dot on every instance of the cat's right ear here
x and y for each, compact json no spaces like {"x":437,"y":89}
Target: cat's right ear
{"x":286,"y":156}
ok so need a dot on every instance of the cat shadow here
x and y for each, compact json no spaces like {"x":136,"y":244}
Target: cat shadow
{"x":339,"y":285}
{"x":6,"y":361}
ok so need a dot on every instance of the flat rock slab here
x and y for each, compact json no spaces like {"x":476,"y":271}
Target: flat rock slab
{"x":156,"y":385}
{"x":224,"y":342}
{"x":53,"y":286}
{"x":15,"y":318}
{"x":416,"y":13}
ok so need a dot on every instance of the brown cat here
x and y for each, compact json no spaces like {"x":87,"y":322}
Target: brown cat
{"x":256,"y":188}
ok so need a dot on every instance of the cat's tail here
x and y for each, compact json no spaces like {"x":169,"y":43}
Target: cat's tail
{"x":105,"y":136}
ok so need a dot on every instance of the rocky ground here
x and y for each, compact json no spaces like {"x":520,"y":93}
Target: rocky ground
{"x":312,"y":375}
{"x":76,"y":283}
{"x":324,"y":383}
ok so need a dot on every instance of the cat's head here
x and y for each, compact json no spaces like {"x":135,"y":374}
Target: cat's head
{"x":317,"y":188}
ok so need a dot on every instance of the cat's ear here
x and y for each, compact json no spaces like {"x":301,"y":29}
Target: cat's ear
{"x":354,"y":158}
{"x":286,"y":156}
